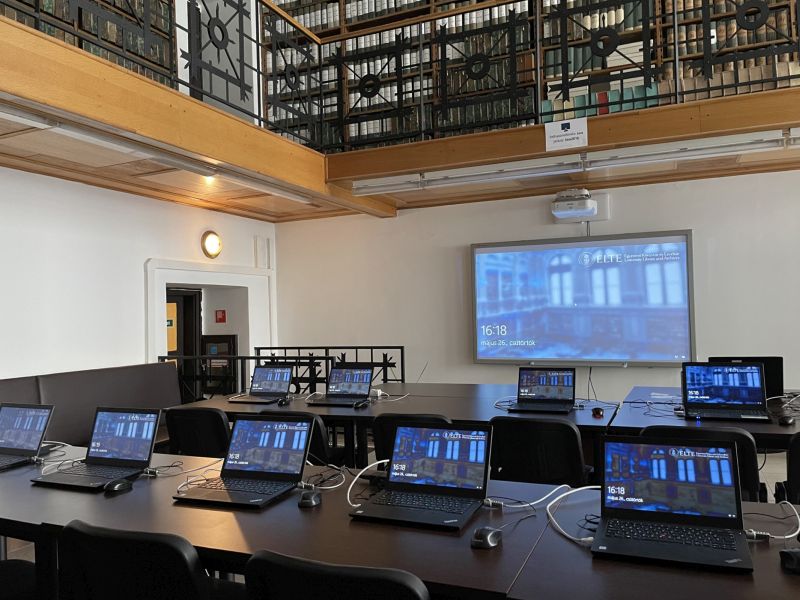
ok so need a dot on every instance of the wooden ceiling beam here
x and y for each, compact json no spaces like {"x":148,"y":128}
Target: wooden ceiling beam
{"x":761,"y":111}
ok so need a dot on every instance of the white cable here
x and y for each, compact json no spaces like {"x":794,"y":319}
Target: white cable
{"x":311,"y":395}
{"x":391,"y":399}
{"x":521,"y":504}
{"x":585,"y":541}
{"x":352,"y":483}
{"x":796,"y":531}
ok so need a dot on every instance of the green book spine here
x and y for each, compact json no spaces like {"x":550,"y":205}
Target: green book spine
{"x":652,"y":94}
{"x":580,"y":106}
{"x":591,"y":107}
{"x":639,"y":95}
{"x":547,"y":107}
{"x":627,"y":99}
{"x":613,"y":101}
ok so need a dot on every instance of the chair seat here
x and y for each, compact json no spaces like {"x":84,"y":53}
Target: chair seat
{"x":228,"y":590}
{"x":17,"y":580}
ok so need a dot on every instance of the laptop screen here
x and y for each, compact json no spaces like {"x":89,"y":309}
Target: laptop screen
{"x":698,"y":481}
{"x":271,"y":380}
{"x":772,"y":369}
{"x":546,"y":384}
{"x":268,"y":446}
{"x":22,"y":428}
{"x":451,"y":458}
{"x":123,"y":435}
{"x":349,"y":382}
{"x":709,"y":384}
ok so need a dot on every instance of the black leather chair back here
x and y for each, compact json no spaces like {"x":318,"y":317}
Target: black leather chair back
{"x":17,"y":580}
{"x":271,"y":576}
{"x":198,"y":431}
{"x":542,"y":450}
{"x":21,"y":390}
{"x":100,"y":564}
{"x":793,"y":470}
{"x":384,"y":428}
{"x":745,"y":451}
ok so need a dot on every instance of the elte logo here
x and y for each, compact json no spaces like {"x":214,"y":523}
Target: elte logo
{"x":585,"y":259}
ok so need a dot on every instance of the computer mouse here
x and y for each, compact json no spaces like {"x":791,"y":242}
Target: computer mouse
{"x":598,"y":412}
{"x":284,"y":402}
{"x":486,"y":537}
{"x":118,"y":485}
{"x":786,"y":420}
{"x":790,"y":560}
{"x":310,"y":499}
{"x":361,"y":404}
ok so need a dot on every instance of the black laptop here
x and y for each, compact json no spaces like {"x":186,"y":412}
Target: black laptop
{"x":22,"y":428}
{"x":121,"y":446}
{"x":269,"y":385}
{"x":265,"y":461}
{"x":724,"y":391}
{"x":773,"y":370}
{"x":347,"y":386}
{"x":666,"y":500}
{"x":436,"y":477}
{"x":544,"y":390}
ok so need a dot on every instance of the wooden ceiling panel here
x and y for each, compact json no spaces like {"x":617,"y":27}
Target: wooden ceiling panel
{"x":273,"y":204}
{"x":55,"y":145}
{"x":191,"y":182}
{"x":7,"y":127}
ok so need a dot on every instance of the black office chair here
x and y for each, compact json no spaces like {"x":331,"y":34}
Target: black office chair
{"x":271,"y":576}
{"x":17,"y":580}
{"x":790,"y":489}
{"x":545,"y":450}
{"x":103,"y":564}
{"x":752,"y":488}
{"x":322,"y":452}
{"x":384,"y":428}
{"x":198,"y":432}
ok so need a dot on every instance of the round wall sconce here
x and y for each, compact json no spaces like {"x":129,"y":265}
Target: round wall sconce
{"x":211,"y":244}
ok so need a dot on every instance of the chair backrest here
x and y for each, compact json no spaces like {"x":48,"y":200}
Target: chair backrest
{"x":97,"y":563}
{"x":543,"y":450}
{"x":277,"y":577}
{"x":745,"y":450}
{"x":384,"y":428}
{"x":198,"y":431}
{"x":320,"y":452}
{"x":23,"y":390}
{"x":793,"y":469}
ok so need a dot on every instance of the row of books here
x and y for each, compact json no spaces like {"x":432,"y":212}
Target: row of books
{"x":478,"y":19}
{"x":414,"y":92}
{"x":383,"y":39}
{"x":693,"y":9}
{"x":362,"y":10}
{"x":318,"y":17}
{"x":386,"y":126}
{"x":308,"y":83}
{"x":579,"y":60}
{"x":517,"y":111}
{"x":590,"y":104}
{"x":622,"y":17}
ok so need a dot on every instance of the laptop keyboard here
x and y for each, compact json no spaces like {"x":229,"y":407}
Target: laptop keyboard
{"x":708,"y":537}
{"x":98,"y":471}
{"x":6,"y":459}
{"x":728,"y":414}
{"x":256,"y":486}
{"x":448,"y":504}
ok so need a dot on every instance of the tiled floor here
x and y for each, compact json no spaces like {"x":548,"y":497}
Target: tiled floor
{"x":774,"y":470}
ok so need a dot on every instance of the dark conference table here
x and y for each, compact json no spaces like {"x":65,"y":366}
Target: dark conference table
{"x":465,"y":403}
{"x":560,"y":569}
{"x":226,"y":538}
{"x":645,"y":406}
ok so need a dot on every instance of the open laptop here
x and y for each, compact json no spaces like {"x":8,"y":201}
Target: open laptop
{"x":545,"y":390}
{"x":22,"y":429}
{"x":269,"y":385}
{"x":436,"y":477}
{"x":728,"y":391}
{"x":347,"y":386}
{"x":665,"y":500}
{"x":264,"y":462}
{"x":121,"y":447}
{"x":773,"y":370}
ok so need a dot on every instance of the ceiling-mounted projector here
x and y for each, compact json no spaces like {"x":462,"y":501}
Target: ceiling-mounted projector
{"x":574,"y":204}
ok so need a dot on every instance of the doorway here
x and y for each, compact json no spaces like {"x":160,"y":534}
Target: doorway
{"x":184,"y":333}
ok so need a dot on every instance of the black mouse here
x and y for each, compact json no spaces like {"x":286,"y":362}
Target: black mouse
{"x":598,"y":412}
{"x":118,"y":485}
{"x":786,"y":420}
{"x":310,"y":499}
{"x":486,"y":537}
{"x":361,"y":404}
{"x":284,"y":401}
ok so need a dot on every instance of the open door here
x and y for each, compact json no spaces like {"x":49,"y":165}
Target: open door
{"x":184,"y":331}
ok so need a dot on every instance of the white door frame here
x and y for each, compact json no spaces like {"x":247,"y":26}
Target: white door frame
{"x":160,"y":273}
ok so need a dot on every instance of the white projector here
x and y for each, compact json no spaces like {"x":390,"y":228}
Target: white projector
{"x":574,"y":204}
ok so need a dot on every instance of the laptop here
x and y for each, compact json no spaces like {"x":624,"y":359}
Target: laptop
{"x":436,"y":477}
{"x":724,"y":391}
{"x":773,"y":370}
{"x":347,"y":386}
{"x":22,"y":428}
{"x":543,"y":390}
{"x":268,"y":386}
{"x":666,"y":500}
{"x":265,"y":461}
{"x":121,"y":447}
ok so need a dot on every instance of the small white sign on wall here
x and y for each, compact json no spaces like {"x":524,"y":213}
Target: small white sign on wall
{"x":562,"y":135}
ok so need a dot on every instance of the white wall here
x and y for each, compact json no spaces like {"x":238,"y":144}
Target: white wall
{"x":73,"y":277}
{"x":361,"y":280}
{"x":233,"y":300}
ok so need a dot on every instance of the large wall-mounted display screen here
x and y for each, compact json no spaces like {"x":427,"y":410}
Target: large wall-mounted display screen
{"x":613,"y":299}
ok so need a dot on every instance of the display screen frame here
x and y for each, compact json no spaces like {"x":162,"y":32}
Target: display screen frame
{"x":482,"y":248}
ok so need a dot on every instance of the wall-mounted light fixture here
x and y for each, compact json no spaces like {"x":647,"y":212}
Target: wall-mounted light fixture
{"x":211,"y":244}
